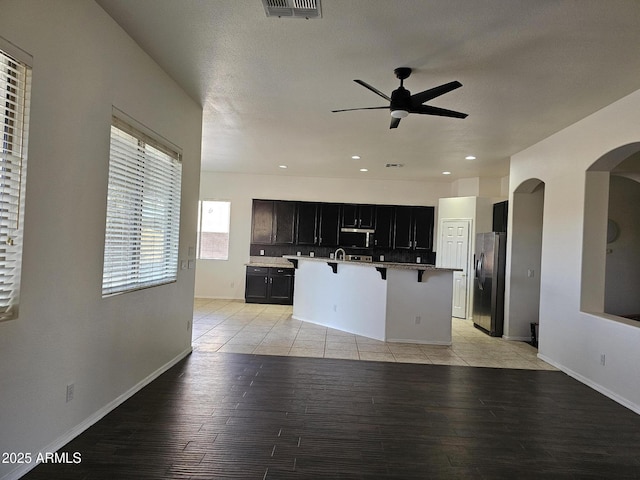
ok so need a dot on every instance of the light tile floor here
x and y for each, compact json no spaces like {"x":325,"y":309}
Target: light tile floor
{"x":233,"y":326}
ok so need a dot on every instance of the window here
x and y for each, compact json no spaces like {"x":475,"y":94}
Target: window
{"x":213,"y":229}
{"x":15,"y":79}
{"x":143,"y":212}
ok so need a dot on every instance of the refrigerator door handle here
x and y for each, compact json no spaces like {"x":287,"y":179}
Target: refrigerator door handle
{"x":479,"y":271}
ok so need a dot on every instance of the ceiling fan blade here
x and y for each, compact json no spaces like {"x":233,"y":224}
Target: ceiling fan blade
{"x":394,"y":122}
{"x":420,"y":98}
{"x":429,"y":110}
{"x":364,"y":108}
{"x":373,"y":89}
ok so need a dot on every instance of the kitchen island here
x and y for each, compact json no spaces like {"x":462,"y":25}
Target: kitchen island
{"x":394,"y":302}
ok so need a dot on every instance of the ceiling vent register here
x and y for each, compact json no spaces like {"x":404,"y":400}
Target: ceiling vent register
{"x":293,"y":8}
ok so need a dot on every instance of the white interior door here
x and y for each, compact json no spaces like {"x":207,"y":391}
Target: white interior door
{"x":454,"y":253}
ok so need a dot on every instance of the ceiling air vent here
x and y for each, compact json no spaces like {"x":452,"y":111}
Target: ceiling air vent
{"x":293,"y":8}
{"x":394,"y":165}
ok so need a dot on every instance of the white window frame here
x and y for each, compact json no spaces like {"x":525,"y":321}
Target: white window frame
{"x":15,"y":83}
{"x":201,"y":206}
{"x":143,"y":210}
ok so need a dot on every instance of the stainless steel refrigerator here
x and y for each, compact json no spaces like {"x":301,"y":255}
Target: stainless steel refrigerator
{"x":488,"y":294}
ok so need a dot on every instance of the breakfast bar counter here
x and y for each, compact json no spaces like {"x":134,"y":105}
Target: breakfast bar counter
{"x":394,"y":302}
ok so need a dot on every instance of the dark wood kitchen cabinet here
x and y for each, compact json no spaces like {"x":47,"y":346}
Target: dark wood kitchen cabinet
{"x":413,"y":228}
{"x":284,"y":222}
{"x":273,"y":222}
{"x":358,"y":216}
{"x":384,"y":227}
{"x":262,"y":221}
{"x":307,"y":218}
{"x":500,"y":215}
{"x":329,"y":224}
{"x":269,"y":285}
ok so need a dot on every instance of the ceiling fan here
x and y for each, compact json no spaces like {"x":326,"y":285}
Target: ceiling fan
{"x":402,"y":103}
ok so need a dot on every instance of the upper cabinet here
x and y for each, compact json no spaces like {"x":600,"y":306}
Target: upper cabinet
{"x":284,"y":223}
{"x":500,"y":215}
{"x":262,"y":221}
{"x":329,"y":224}
{"x":358,"y":216}
{"x":279,"y":222}
{"x":413,"y":228}
{"x":383,"y":236}
{"x":273,"y":222}
{"x":307,"y":223}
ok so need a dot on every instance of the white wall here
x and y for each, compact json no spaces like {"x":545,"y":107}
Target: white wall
{"x":496,"y":188}
{"x":569,"y":338}
{"x":83,"y":63}
{"x":522,"y":292}
{"x":352,"y":300}
{"x":225,"y":279}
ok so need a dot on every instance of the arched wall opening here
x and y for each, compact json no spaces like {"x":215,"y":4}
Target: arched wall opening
{"x":611,"y":240}
{"x":523,"y":295}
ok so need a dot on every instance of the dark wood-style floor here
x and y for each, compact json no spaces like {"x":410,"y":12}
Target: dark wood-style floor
{"x":234,"y":416}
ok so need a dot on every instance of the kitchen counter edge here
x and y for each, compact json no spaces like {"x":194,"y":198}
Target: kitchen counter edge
{"x":396,"y":265}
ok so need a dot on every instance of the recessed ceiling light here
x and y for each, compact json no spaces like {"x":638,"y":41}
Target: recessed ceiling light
{"x":446,"y":173}
{"x":364,"y":169}
{"x":469,"y":157}
{"x":355,"y":157}
{"x":283,"y":166}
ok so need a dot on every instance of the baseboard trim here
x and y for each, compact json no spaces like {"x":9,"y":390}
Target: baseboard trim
{"x":206,"y":297}
{"x":61,"y":441}
{"x":516,"y":339}
{"x":596,"y":386}
{"x":418,"y":342}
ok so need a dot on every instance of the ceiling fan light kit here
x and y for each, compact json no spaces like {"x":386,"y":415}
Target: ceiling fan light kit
{"x":399,"y":113}
{"x":402,"y":103}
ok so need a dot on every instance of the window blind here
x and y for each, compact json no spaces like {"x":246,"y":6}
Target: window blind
{"x":143,"y":212}
{"x":15,"y":80}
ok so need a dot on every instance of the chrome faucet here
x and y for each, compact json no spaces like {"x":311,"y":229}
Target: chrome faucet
{"x":338,"y":250}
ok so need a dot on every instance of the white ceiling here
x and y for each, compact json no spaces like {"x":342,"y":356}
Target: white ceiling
{"x":268,"y":85}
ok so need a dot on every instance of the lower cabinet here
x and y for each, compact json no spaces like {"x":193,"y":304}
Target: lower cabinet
{"x":269,"y":285}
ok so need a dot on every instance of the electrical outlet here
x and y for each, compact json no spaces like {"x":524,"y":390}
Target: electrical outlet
{"x":530,"y":273}
{"x":70,"y":389}
{"x":603,"y":359}
{"x":418,"y":319}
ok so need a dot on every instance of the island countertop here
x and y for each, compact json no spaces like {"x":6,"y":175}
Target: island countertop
{"x":395,"y":265}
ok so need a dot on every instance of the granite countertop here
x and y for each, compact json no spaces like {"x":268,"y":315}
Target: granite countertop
{"x":274,"y":262}
{"x":396,"y":265}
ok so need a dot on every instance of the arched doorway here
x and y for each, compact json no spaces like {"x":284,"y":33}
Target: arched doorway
{"x":522,"y":295}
